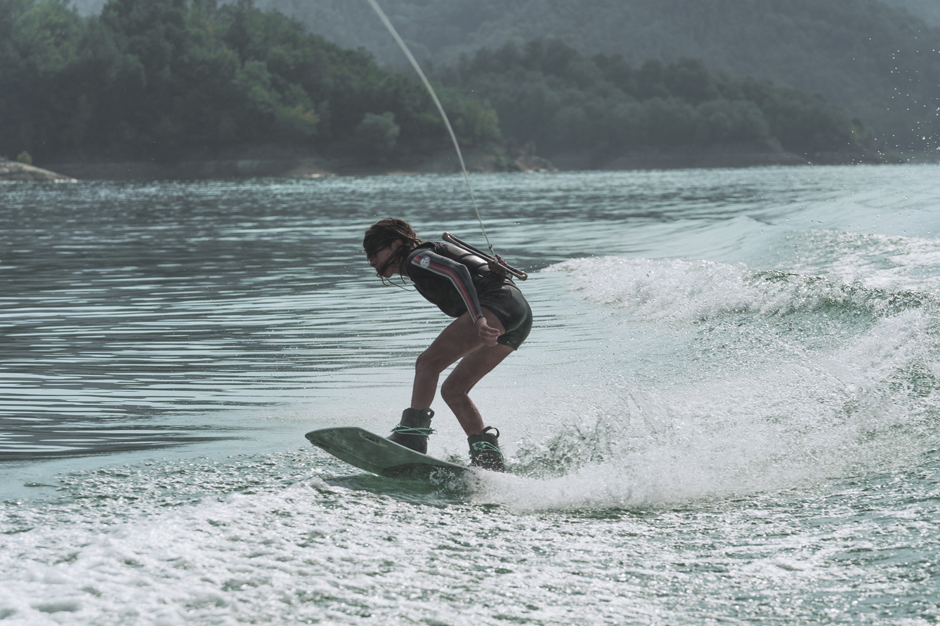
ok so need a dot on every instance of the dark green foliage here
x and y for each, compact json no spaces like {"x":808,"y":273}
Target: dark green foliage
{"x":167,"y":78}
{"x":163,"y":78}
{"x":877,"y":61}
{"x":549,"y":94}
{"x":377,"y":135}
{"x":37,"y":45}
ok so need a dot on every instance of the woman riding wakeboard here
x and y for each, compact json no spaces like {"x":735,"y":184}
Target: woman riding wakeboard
{"x":492,"y":321}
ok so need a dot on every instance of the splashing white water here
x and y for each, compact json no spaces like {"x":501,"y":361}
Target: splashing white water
{"x":770,"y":381}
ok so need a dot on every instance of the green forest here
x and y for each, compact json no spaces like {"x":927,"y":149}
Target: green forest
{"x":168,"y":79}
{"x":549,"y":94}
{"x":878,"y":59}
{"x":164,"y":78}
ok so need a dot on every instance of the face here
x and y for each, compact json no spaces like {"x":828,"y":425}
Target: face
{"x":379,"y":259}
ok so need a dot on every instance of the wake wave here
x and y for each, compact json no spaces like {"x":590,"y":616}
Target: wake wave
{"x":737,"y":404}
{"x":701,"y":290}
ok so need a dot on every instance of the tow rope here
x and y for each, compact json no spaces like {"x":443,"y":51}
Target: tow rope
{"x":492,"y":258}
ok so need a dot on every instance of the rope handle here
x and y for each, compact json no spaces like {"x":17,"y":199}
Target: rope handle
{"x":493,"y":261}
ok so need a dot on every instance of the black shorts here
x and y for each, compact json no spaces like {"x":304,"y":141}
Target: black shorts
{"x":507,"y":303}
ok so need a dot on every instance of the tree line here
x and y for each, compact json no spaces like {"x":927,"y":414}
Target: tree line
{"x":876,"y":60}
{"x":164,"y":79}
{"x":550,"y":94}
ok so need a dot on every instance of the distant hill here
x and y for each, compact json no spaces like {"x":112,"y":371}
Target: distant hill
{"x":875,"y":58}
{"x":594,"y":110}
{"x":157,"y":80}
{"x":172,"y":81}
{"x":867,"y":56}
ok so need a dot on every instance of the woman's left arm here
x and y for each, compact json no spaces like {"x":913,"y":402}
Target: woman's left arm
{"x":456,"y":273}
{"x":459,"y":275}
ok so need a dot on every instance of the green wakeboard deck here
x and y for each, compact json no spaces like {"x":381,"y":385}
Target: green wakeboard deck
{"x":378,"y":455}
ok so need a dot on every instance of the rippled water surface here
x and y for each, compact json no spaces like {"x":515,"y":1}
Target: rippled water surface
{"x":727,"y":411}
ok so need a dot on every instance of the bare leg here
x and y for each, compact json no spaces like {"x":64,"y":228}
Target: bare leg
{"x":465,"y":376}
{"x":458,"y":340}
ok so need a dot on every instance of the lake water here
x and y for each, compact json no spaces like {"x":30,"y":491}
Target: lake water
{"x":727,"y":411}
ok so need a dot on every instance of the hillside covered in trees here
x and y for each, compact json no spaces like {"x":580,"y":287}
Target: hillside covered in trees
{"x":166,"y":78}
{"x":549,"y":94}
{"x":189,"y":79}
{"x":878,"y":59}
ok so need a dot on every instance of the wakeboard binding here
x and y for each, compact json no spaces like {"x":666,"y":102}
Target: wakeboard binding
{"x":413,"y":430}
{"x":485,"y":452}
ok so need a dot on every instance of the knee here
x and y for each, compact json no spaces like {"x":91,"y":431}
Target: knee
{"x":452,"y":391}
{"x":426,"y":364}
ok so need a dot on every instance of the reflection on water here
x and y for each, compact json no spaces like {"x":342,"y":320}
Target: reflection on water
{"x":40,"y":438}
{"x":132,"y":312}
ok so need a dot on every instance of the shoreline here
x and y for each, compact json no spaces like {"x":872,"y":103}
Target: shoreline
{"x":14,"y":171}
{"x":268,"y":162}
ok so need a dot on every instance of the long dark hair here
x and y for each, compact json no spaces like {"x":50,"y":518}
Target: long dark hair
{"x":385,"y":233}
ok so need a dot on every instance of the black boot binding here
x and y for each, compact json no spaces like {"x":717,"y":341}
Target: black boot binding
{"x":413,"y":430}
{"x":485,"y":452}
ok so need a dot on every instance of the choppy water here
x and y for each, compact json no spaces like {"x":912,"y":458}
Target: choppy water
{"x":727,"y":411}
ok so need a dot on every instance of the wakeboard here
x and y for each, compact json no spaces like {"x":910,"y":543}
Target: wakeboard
{"x":378,"y":455}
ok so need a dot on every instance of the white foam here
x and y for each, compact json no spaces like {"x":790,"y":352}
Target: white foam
{"x":744,"y":406}
{"x":877,"y":261}
{"x":694,"y":290}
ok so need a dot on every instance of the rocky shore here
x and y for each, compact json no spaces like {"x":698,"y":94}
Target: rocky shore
{"x":270,"y":161}
{"x":14,"y":171}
